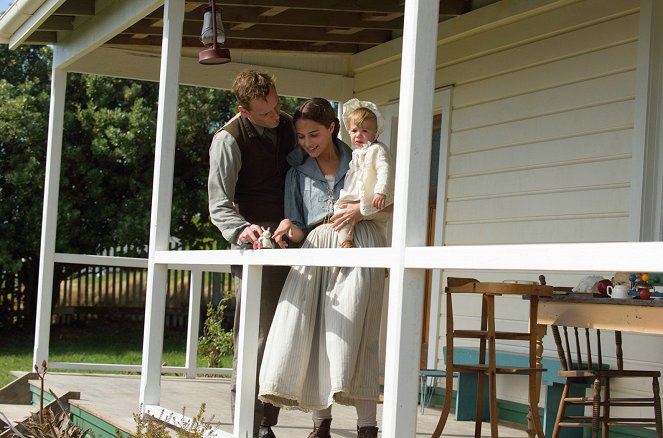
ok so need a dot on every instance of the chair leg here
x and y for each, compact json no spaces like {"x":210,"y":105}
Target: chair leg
{"x":657,"y":407}
{"x":606,"y":408}
{"x":444,"y":415}
{"x":534,"y":405}
{"x":596,"y":407}
{"x":561,"y":409}
{"x":478,"y":416}
{"x":492,"y":364}
{"x":449,"y":369}
{"x":492,"y":391}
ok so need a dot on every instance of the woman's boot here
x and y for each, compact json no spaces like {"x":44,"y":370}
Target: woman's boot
{"x":321,"y":431}
{"x":367,"y":432}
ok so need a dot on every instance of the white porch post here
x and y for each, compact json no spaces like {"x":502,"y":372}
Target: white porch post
{"x":49,"y":219}
{"x":193,"y":326}
{"x":442,"y":100}
{"x":646,"y":220}
{"x":412,"y":173}
{"x":247,"y":361}
{"x":162,"y":194}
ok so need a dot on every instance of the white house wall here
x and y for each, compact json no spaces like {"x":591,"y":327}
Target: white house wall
{"x":541,"y":137}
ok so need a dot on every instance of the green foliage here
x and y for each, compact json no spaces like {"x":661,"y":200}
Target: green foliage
{"x":290,"y":104}
{"x":150,"y":427}
{"x":216,"y":342}
{"x":24,"y":93}
{"x":105,"y":192}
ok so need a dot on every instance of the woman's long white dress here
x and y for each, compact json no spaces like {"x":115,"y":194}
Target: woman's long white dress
{"x":323,"y":345}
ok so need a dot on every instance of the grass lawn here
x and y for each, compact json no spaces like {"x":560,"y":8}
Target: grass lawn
{"x":113,"y":343}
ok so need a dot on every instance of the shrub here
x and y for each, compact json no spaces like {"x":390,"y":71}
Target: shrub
{"x":148,"y":426}
{"x":216,"y":342}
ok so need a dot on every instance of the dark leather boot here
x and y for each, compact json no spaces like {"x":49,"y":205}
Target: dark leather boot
{"x":321,"y":431}
{"x":367,"y":432}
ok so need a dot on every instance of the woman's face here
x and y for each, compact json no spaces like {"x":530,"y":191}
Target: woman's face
{"x":315,"y":138}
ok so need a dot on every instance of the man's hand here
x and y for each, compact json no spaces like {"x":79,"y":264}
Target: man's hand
{"x":250,"y":235}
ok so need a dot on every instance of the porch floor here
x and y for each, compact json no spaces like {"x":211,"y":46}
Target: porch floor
{"x":114,"y":399}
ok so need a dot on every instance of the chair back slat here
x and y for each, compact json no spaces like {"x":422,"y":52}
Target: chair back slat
{"x":578,"y":351}
{"x":588,"y":344}
{"x":560,"y":348}
{"x":598,"y":346}
{"x":618,"y":350}
{"x":584,"y":356}
{"x":569,"y":358}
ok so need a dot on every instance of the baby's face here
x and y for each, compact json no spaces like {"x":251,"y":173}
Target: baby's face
{"x":361,"y":135}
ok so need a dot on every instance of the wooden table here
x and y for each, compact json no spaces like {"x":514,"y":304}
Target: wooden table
{"x":586,"y":310}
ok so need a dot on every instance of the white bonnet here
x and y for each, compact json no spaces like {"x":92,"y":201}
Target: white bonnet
{"x":353,"y":104}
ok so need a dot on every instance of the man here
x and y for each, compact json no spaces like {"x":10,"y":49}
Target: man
{"x":245,"y":187}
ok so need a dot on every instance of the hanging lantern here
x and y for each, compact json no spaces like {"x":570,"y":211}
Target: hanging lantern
{"x":213,"y":37}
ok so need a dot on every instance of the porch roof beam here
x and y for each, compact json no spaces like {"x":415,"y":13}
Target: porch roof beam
{"x":33,"y":22}
{"x":102,"y":27}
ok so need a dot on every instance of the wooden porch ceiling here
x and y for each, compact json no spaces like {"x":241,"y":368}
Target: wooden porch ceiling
{"x":332,"y":26}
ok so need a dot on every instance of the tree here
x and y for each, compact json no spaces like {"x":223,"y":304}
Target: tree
{"x":24,"y":93}
{"x":107,"y":164}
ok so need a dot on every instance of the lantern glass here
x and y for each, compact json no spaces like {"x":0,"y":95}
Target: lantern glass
{"x":207,"y":34}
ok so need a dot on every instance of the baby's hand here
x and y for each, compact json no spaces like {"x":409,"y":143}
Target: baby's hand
{"x":379,"y":201}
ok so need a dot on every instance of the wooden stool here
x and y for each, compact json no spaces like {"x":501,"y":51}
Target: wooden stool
{"x":487,"y":336}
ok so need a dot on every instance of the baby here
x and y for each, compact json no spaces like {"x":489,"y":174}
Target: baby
{"x":369,"y":180}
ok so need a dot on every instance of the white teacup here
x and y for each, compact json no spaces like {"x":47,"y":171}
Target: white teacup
{"x":617,"y":291}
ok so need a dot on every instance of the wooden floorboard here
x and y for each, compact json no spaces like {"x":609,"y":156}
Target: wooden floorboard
{"x":114,"y":398}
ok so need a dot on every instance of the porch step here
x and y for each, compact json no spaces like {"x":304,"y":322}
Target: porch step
{"x":20,"y":399}
{"x":16,"y":400}
{"x":13,"y":414}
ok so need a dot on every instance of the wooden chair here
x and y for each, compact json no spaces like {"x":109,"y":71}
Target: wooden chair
{"x":487,"y":335}
{"x":593,"y":372}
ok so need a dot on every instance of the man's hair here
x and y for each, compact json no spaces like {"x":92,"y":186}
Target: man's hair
{"x":252,"y":84}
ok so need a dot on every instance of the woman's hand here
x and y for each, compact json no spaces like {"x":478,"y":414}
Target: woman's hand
{"x":287,"y":231}
{"x":348,"y":214}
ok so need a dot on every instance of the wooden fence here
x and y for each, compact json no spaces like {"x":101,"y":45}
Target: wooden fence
{"x":13,"y":308}
{"x":108,"y":292}
{"x":113,"y":293}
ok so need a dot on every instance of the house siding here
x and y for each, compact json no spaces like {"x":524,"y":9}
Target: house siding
{"x":541,"y":140}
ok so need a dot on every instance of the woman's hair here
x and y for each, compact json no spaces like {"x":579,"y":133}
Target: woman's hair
{"x":362,"y":115}
{"x":318,"y":110}
{"x":251,"y":84}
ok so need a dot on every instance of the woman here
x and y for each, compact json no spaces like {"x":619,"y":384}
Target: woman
{"x":323,"y":343}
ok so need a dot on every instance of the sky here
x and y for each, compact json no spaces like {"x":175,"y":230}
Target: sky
{"x":4,"y":4}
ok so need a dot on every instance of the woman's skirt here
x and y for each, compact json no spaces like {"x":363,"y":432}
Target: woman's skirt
{"x":323,"y":345}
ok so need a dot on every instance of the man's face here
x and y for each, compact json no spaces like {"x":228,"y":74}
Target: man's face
{"x":264,"y":112}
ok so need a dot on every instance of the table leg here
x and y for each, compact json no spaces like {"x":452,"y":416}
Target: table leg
{"x":541,"y":330}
